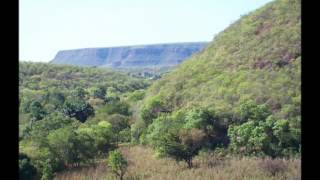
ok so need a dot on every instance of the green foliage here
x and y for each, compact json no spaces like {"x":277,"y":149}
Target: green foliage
{"x":120,"y":127}
{"x":152,"y":109}
{"x":241,"y":63}
{"x":98,"y":137}
{"x":78,"y":93}
{"x":125,"y":135}
{"x":249,"y":72}
{"x":119,"y":107}
{"x":270,"y":136}
{"x":243,"y":90}
{"x":36,"y":110}
{"x":137,"y":130}
{"x":98,"y":92}
{"x":52,"y":101}
{"x":199,"y":118}
{"x":47,"y":172}
{"x":40,"y":76}
{"x":137,"y":95}
{"x":249,"y":138}
{"x":160,"y":128}
{"x":249,"y":110}
{"x":56,"y":98}
{"x":26,"y":169}
{"x":41,"y":129}
{"x":211,"y":124}
{"x":118,"y":122}
{"x":78,"y":109}
{"x":168,"y":139}
{"x":24,"y":105}
{"x":62,"y":143}
{"x":117,"y":163}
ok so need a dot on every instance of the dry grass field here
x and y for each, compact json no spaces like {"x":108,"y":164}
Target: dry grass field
{"x":144,"y":165}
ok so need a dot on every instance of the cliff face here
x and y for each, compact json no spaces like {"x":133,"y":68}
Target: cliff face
{"x":130,"y":56}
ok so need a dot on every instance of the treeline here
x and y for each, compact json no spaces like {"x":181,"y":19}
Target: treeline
{"x":70,"y":115}
{"x":252,"y":131}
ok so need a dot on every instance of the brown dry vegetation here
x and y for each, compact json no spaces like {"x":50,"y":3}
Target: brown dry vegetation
{"x":144,"y":165}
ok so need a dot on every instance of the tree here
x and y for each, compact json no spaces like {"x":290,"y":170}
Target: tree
{"x":250,"y":110}
{"x":78,"y":109}
{"x":137,"y":95}
{"x":249,"y":138}
{"x":51,"y":122}
{"x":191,"y":142}
{"x":110,"y":98}
{"x":24,"y":105}
{"x":117,"y":163}
{"x":119,"y":123}
{"x":26,"y":169}
{"x":98,"y":92}
{"x":85,"y":146}
{"x":169,"y":138}
{"x":111,"y":95}
{"x":211,"y":124}
{"x":62,"y":143}
{"x":79,"y":93}
{"x":56,"y":98}
{"x":137,"y":130}
{"x":47,"y":172}
{"x":152,"y":109}
{"x":98,"y":137}
{"x":36,"y":110}
{"x":119,"y":107}
{"x":270,"y":136}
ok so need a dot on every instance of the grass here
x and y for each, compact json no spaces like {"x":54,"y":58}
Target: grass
{"x":144,"y":165}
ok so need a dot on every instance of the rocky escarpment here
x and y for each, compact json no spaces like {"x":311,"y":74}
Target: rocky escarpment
{"x":130,"y":56}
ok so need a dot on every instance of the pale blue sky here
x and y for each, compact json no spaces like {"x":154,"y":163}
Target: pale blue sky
{"x":47,"y":26}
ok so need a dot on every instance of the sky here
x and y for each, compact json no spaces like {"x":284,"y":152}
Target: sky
{"x":47,"y":26}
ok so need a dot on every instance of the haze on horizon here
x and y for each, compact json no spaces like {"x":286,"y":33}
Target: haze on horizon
{"x":45,"y":27}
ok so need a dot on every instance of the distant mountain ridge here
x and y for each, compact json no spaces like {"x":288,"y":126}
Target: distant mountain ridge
{"x":167,"y":54}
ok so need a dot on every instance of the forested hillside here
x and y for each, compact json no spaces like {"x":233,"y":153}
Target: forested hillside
{"x":231,"y":111}
{"x":241,"y":92}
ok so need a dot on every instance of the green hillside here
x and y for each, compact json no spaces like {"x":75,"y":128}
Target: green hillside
{"x":254,"y":63}
{"x":231,"y":111}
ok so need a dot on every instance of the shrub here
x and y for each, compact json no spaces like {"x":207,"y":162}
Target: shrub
{"x":47,"y":173}
{"x":117,"y":163}
{"x":26,"y":169}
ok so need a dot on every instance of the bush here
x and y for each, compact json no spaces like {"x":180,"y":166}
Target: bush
{"x":26,"y":169}
{"x":117,"y":163}
{"x":47,"y":172}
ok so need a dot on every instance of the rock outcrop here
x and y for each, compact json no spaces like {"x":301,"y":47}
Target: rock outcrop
{"x":130,"y":56}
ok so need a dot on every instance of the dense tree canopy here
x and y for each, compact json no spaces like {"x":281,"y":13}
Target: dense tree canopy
{"x":71,"y":115}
